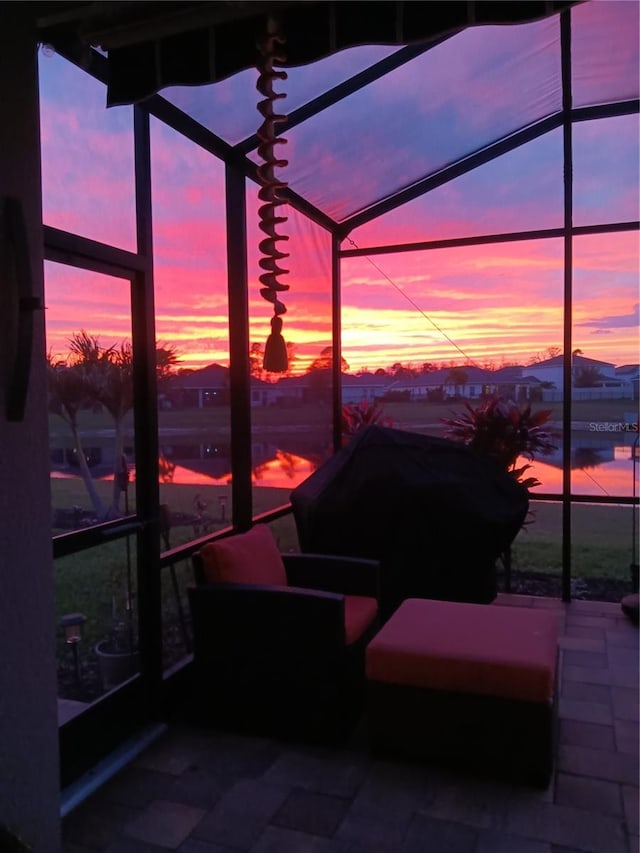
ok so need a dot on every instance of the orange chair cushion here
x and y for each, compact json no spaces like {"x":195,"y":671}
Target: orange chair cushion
{"x":359,"y":613}
{"x":250,"y":557}
{"x":509,"y":652}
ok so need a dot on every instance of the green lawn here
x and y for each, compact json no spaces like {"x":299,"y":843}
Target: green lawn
{"x":93,"y":581}
{"x":408,"y":414}
{"x":216,"y":419}
{"x":600,"y":536}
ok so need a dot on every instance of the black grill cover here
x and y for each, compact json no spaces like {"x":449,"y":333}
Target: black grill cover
{"x":436,"y":514}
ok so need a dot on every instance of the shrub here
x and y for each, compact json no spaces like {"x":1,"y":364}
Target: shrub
{"x":503,"y":431}
{"x":357,"y":416}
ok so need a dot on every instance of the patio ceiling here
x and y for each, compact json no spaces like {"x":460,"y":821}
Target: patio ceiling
{"x":381,"y":107}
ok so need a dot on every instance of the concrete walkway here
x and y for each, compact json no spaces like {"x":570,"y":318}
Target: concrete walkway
{"x":203,"y":792}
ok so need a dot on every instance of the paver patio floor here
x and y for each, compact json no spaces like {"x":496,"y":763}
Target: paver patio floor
{"x":208,"y":792}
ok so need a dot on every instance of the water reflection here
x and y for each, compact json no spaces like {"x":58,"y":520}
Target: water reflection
{"x":210,"y":462}
{"x":598,"y":467}
{"x":614,"y":477}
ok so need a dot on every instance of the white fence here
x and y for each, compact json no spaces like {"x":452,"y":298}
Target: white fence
{"x":555,"y":396}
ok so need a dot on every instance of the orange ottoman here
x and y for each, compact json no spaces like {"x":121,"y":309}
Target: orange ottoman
{"x":471,"y":684}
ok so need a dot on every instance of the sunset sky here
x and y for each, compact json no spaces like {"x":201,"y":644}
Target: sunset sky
{"x":498,"y":303}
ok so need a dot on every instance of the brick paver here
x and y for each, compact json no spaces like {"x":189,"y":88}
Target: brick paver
{"x":626,"y":736}
{"x":631,"y":800}
{"x":211,"y":792}
{"x":593,"y":794}
{"x":590,"y":735}
{"x":573,"y":827}
{"x":164,"y":823}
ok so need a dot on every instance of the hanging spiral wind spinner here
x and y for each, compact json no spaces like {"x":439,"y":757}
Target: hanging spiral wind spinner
{"x":270,"y":46}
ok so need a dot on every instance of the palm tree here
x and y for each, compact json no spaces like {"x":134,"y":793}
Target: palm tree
{"x":85,"y":349}
{"x":167,"y":360}
{"x":101,"y":377}
{"x":109,"y":385}
{"x":113,"y":374}
{"x":70,"y":391}
{"x":574,"y":354}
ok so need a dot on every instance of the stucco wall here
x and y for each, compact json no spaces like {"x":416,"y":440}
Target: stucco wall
{"x":29,"y":796}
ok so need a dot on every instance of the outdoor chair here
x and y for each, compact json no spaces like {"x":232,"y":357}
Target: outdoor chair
{"x":279,"y":639}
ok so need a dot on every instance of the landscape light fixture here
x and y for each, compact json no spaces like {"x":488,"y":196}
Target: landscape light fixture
{"x":72,"y":624}
{"x":222,"y":500}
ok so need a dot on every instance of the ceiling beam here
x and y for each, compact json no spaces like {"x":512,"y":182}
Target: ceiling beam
{"x":343,"y":90}
{"x":448,"y":173}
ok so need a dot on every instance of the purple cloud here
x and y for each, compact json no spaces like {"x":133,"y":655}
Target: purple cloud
{"x":616,"y":321}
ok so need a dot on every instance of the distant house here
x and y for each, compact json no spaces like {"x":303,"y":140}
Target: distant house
{"x":209,"y":386}
{"x":629,"y":374}
{"x":607,"y":385}
{"x":291,"y":390}
{"x":476,"y":384}
{"x":551,"y":369}
{"x":295,"y":390}
{"x":364,"y":386}
{"x":422,"y":386}
{"x":198,"y":389}
{"x":263,"y":393}
{"x":470,"y":383}
{"x":511,"y":382}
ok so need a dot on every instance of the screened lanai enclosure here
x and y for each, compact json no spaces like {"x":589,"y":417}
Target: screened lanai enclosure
{"x":459,"y":187}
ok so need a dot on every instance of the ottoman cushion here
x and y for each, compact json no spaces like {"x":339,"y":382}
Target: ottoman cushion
{"x":469,"y":685}
{"x":491,"y":650}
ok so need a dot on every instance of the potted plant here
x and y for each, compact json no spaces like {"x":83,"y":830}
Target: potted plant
{"x":117,"y":653}
{"x":503,"y":431}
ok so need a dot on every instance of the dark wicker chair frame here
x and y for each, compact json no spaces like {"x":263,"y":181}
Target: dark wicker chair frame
{"x":274,"y":660}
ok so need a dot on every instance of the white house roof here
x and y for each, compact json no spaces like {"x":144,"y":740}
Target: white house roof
{"x":578,"y":361}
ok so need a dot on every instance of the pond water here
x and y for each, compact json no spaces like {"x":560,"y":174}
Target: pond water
{"x":600,"y":467}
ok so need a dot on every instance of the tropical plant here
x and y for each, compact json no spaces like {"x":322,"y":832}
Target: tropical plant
{"x":502,"y":431}
{"x":93,"y":376}
{"x":70,"y":391}
{"x":114,"y":391}
{"x":587,"y":376}
{"x":357,"y":416}
{"x":167,"y":360}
